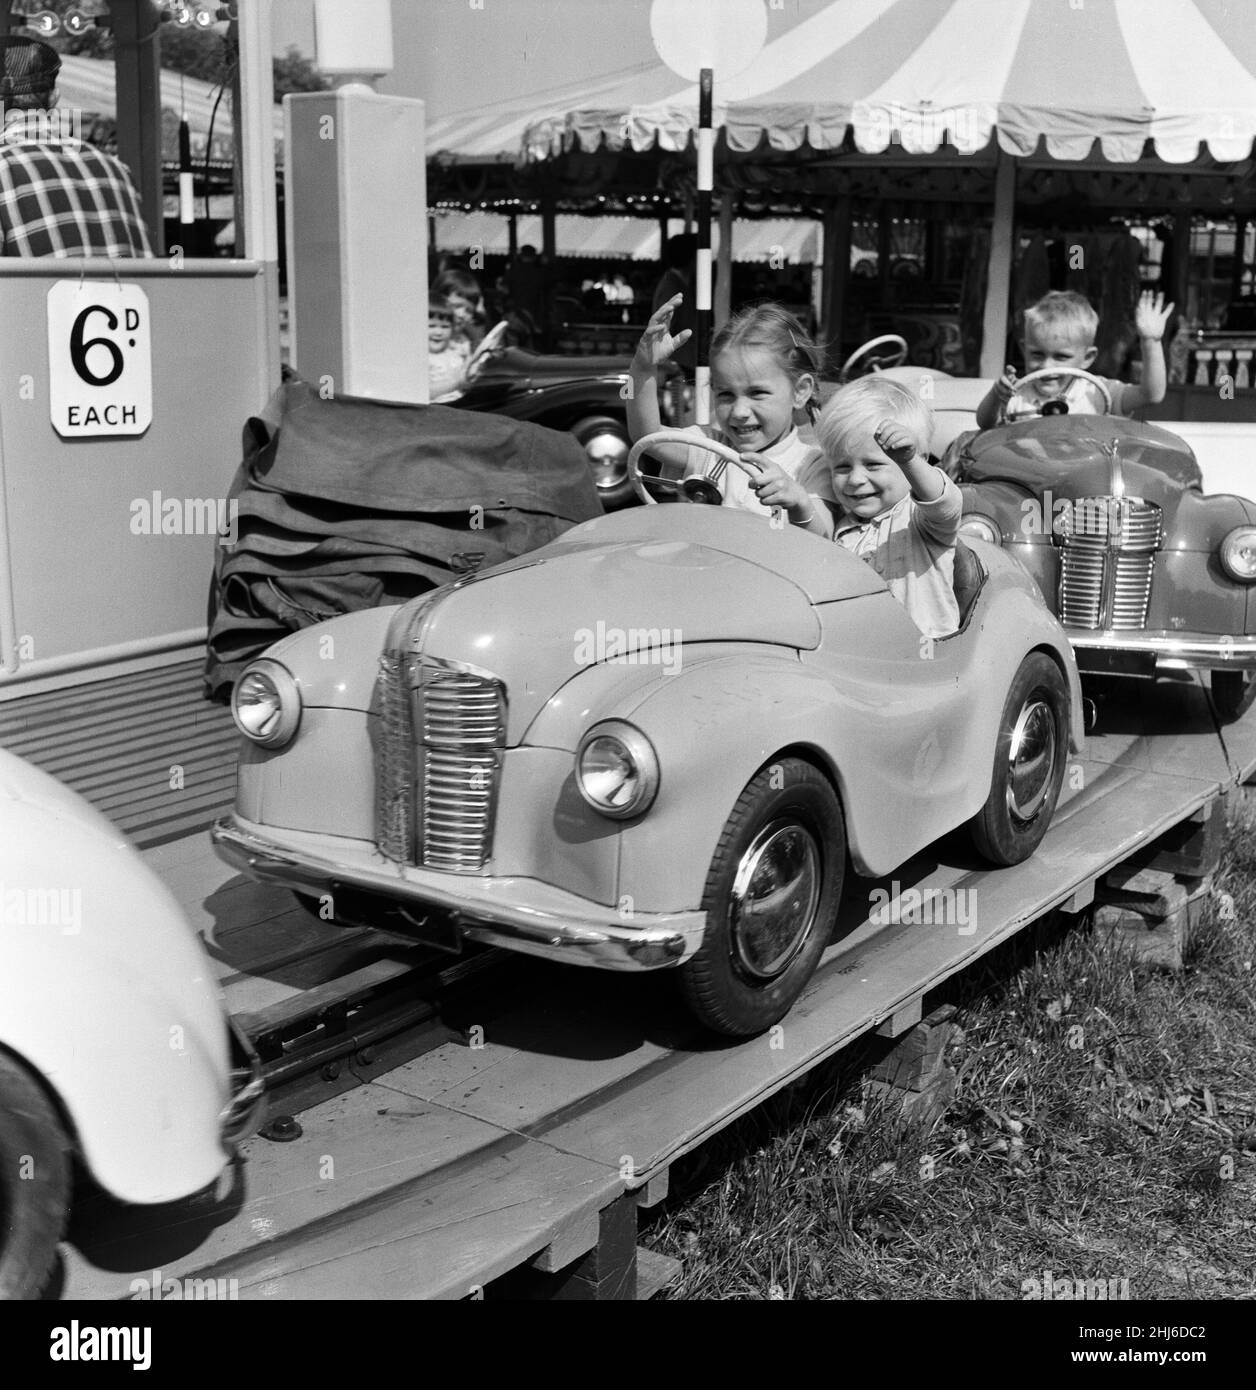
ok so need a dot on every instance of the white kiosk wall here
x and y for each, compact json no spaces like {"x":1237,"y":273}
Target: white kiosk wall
{"x":107,"y":541}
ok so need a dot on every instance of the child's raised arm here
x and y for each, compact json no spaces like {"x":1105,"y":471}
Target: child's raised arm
{"x":896,"y":442}
{"x":996,"y":398}
{"x":1150,"y":319}
{"x":655,"y":347}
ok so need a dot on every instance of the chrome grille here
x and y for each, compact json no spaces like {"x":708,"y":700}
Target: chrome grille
{"x":394,"y":762}
{"x":1108,"y":549}
{"x":463,"y":728}
{"x":437,"y":763}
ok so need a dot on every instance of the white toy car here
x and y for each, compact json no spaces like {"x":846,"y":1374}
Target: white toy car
{"x":114,"y":1044}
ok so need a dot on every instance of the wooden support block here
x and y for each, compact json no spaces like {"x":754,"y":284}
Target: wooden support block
{"x":1082,"y":897}
{"x":1154,"y":938}
{"x":904,"y":1017}
{"x":609,"y":1270}
{"x":1153,"y":941}
{"x":651,"y":1193}
{"x":573,"y":1237}
{"x":655,"y":1272}
{"x":1153,"y":893}
{"x":1192,"y":847}
{"x":913,"y":1073}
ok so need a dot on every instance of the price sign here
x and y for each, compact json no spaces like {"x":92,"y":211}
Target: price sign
{"x":100,"y":359}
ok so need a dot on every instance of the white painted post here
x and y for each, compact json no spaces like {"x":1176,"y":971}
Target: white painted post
{"x":357,"y":217}
{"x":256,"y":171}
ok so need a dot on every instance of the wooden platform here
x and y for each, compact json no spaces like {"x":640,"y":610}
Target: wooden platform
{"x":572,"y":1087}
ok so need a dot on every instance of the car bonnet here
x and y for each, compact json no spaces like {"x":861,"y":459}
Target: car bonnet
{"x":612,"y":592}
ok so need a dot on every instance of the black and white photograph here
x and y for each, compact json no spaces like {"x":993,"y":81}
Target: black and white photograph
{"x":627,"y":651}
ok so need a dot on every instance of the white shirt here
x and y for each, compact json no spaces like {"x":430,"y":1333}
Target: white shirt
{"x":805,"y":463}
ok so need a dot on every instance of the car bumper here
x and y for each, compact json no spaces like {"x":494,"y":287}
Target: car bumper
{"x":520,"y":914}
{"x":1164,"y":651}
{"x":244,"y":1112}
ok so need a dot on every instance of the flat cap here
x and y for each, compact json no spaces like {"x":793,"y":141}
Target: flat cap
{"x":29,"y":66}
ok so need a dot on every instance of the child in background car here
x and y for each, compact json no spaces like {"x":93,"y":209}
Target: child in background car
{"x":903,"y":514}
{"x":764,"y":368}
{"x":461,"y":292}
{"x":1060,"y":332}
{"x":446,"y":355}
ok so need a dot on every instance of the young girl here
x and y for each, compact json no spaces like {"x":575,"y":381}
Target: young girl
{"x":461,"y":292}
{"x":763,"y":369}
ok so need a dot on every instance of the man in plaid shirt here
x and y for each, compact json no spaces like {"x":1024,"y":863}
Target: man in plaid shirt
{"x":58,"y":197}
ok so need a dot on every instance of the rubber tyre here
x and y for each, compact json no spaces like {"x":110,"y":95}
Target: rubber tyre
{"x":998,"y":833}
{"x":587,"y":432}
{"x":33,"y":1208}
{"x":1232,"y":693}
{"x":717,"y":989}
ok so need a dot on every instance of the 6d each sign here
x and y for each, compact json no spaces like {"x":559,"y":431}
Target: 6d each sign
{"x":100,"y":359}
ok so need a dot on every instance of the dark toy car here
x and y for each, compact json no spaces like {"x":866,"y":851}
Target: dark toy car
{"x":1146,"y":573}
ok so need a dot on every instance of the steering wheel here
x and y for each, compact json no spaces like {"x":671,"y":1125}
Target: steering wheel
{"x":1058,"y":405}
{"x":704,"y":489}
{"x":489,"y":344}
{"x":889,"y":350}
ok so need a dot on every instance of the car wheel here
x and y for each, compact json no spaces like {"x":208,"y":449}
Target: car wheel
{"x":34,"y":1183}
{"x":1232,"y":693}
{"x":1029,"y":762}
{"x":605,"y":442}
{"x":771,"y":897}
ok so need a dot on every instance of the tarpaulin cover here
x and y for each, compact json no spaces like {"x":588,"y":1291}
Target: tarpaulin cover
{"x":346,"y":504}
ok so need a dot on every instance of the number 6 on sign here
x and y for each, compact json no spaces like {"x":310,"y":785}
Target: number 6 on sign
{"x":100,"y":363}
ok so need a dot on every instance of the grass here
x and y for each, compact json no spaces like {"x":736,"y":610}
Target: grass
{"x":1103,"y":1126}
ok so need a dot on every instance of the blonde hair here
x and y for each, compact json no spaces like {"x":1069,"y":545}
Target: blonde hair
{"x":1067,"y":311}
{"x":773,"y":327}
{"x":856,"y":409}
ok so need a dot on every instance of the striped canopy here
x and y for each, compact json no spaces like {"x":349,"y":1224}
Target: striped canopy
{"x":88,"y":85}
{"x":916,"y":73}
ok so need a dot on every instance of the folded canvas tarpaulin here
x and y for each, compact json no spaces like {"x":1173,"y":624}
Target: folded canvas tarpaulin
{"x":343,"y":504}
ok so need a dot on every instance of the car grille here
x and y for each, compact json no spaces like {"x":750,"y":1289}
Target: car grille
{"x":439,"y":733}
{"x":1109,"y":547}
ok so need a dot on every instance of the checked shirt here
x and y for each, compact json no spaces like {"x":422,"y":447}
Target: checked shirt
{"x":67,"y":198}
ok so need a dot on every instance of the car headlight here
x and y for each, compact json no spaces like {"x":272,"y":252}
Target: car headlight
{"x":617,"y":770}
{"x":982,"y":528}
{"x":1238,"y":554}
{"x":266,"y":704}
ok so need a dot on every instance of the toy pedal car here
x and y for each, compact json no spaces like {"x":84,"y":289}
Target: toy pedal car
{"x":652,"y":743}
{"x":1146,"y":573}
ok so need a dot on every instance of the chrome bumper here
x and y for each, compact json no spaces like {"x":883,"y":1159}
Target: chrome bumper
{"x":1172,"y":652}
{"x":520,"y":914}
{"x":245,"y":1111}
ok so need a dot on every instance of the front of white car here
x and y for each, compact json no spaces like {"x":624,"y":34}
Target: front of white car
{"x":108,"y":998}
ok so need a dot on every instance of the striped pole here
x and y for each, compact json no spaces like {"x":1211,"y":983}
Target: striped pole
{"x":702,"y":302}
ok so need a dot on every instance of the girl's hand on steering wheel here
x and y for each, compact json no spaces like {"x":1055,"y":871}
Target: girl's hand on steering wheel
{"x":773,"y":486}
{"x":657,"y":344}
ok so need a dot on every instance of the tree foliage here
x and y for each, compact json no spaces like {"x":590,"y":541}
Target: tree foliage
{"x":206,"y":54}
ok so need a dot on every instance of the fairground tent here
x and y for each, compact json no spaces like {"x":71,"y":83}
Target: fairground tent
{"x":916,"y":72}
{"x":991,"y":80}
{"x":88,"y":85}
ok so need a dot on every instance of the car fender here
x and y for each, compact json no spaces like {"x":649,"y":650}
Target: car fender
{"x":106,"y":992}
{"x":335,"y":663}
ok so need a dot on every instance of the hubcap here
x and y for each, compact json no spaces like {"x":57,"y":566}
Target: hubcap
{"x":774,"y":898}
{"x":1031,"y":760}
{"x":607,"y":453}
